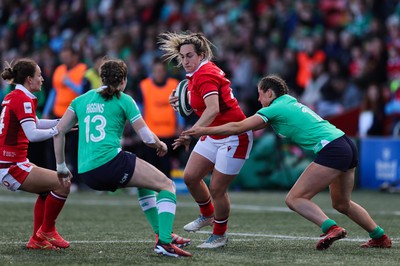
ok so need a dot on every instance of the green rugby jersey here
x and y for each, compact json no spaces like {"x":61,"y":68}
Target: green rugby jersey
{"x":101,"y":124}
{"x":296,"y":121}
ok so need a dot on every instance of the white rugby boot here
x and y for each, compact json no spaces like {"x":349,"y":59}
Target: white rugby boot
{"x":199,"y":223}
{"x":215,"y":241}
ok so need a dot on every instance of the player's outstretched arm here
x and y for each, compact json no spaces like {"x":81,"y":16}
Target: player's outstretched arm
{"x":233,"y":128}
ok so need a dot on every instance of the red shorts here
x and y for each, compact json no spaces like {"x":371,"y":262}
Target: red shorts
{"x":13,"y":177}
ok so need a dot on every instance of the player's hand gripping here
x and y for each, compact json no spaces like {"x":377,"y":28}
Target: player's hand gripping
{"x":64,"y":174}
{"x":162,"y":150}
{"x":182,"y":140}
{"x":173,"y":100}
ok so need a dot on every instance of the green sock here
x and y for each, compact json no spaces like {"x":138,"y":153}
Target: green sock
{"x":328,"y":223}
{"x":166,"y":204}
{"x":377,"y":233}
{"x":147,"y":201}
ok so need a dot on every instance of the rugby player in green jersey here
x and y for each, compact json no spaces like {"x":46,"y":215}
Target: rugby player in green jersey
{"x":333,"y":166}
{"x":101,"y":115}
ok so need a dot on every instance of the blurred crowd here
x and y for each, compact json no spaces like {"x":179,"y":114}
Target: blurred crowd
{"x":335,"y":55}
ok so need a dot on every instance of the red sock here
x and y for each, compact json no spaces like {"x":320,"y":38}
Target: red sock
{"x":220,"y":226}
{"x":206,"y":208}
{"x":38,"y":214}
{"x":53,"y":206}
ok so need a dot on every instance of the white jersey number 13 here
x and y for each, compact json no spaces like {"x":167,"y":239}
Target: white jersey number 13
{"x":99,"y":133}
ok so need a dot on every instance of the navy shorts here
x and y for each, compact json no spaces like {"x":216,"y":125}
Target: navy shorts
{"x":112,"y":175}
{"x":340,"y":154}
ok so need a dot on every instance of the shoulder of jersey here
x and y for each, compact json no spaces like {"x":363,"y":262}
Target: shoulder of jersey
{"x":183,"y":106}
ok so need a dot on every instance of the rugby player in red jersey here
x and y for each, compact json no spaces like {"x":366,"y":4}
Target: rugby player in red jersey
{"x":211,"y":98}
{"x":18,"y":126}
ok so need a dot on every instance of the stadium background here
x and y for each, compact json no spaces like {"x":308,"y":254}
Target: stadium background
{"x":330,"y":53}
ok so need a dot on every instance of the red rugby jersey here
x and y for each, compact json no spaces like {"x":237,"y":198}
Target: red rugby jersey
{"x":18,"y":106}
{"x":207,"y":80}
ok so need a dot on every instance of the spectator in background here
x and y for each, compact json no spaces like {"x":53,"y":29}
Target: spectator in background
{"x":332,"y":92}
{"x":393,"y":63}
{"x":377,"y":57}
{"x":361,"y":18}
{"x":372,"y":116}
{"x":149,"y":55}
{"x":334,"y":12}
{"x":306,"y":59}
{"x":347,"y":41}
{"x":275,"y":62}
{"x":331,"y":44}
{"x":91,"y":78}
{"x":393,"y":31}
{"x":291,"y":69}
{"x":312,"y":93}
{"x":244,"y":66}
{"x":159,"y":115}
{"x":392,"y":108}
{"x":301,"y":15}
{"x":67,"y":85}
{"x":357,"y":64}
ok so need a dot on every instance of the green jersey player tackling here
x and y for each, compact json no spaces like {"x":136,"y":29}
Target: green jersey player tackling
{"x":101,"y":115}
{"x":333,"y":166}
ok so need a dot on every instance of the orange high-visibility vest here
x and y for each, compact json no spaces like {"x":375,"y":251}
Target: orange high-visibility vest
{"x":158,"y":113}
{"x":306,"y":63}
{"x":64,"y":94}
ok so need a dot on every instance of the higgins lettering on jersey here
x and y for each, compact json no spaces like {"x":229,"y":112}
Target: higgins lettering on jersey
{"x":95,"y":108}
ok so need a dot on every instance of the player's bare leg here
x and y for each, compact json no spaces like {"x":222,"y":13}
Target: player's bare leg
{"x":49,"y":204}
{"x":313,"y":180}
{"x":219,"y":193}
{"x":196,"y":169}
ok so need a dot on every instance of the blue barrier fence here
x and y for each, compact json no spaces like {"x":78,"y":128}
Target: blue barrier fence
{"x":379,"y":161}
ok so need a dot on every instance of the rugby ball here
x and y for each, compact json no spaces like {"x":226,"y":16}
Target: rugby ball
{"x":182,"y":105}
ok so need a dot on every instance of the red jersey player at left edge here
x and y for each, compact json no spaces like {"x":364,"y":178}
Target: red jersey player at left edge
{"x":18,"y":126}
{"x":211,"y":98}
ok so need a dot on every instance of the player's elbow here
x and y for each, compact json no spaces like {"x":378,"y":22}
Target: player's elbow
{"x":31,"y":138}
{"x":61,"y":131}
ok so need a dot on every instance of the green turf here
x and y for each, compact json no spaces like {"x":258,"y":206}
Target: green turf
{"x":111,"y":230}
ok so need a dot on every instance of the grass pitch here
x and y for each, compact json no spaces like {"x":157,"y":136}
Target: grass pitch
{"x":111,"y":229}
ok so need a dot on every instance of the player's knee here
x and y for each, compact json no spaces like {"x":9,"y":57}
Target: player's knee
{"x":217,"y":192}
{"x":289,"y":200}
{"x":168,"y":184}
{"x":63,"y":191}
{"x":293,"y":199}
{"x":342,"y":207}
{"x":190,"y":179}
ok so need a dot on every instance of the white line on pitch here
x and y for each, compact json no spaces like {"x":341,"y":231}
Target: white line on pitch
{"x":251,"y":237}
